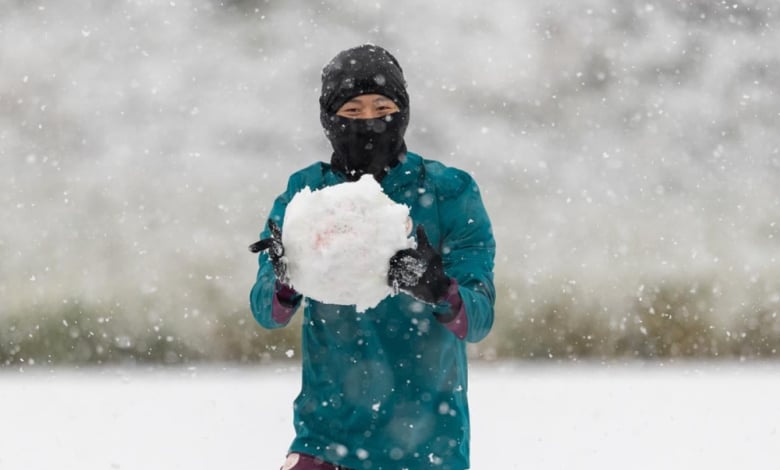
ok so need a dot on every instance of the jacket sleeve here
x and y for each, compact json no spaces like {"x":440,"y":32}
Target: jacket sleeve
{"x":266,"y":308}
{"x":468,"y":251}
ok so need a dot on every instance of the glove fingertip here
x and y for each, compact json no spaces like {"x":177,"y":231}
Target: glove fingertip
{"x":259,"y":246}
{"x":422,"y":237}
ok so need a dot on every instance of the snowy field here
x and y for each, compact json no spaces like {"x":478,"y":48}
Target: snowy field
{"x":683,"y":416}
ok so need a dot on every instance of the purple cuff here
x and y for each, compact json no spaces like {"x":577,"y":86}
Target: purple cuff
{"x":455,"y":318}
{"x":284,"y":304}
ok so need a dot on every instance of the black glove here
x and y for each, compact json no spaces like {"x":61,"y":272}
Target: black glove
{"x":419,"y":271}
{"x":275,"y":251}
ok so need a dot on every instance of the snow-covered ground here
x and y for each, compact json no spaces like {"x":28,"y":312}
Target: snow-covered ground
{"x":683,"y":416}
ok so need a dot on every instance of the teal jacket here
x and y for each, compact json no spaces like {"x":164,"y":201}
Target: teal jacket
{"x":386,"y":389}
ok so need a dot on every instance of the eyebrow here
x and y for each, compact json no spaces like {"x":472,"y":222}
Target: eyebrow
{"x":378,"y":101}
{"x":375,"y":100}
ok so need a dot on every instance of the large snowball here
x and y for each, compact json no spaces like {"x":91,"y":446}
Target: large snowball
{"x":338,"y":242}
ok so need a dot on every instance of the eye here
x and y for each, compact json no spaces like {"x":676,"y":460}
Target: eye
{"x":384,"y":110}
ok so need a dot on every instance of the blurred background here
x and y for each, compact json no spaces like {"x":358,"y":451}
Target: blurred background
{"x":627,"y":152}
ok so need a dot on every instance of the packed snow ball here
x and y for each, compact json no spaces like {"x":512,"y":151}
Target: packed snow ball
{"x":339,"y":240}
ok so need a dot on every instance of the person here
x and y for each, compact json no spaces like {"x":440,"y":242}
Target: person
{"x":387,"y":388}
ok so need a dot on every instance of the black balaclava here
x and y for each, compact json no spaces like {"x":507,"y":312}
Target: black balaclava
{"x":364,"y":146}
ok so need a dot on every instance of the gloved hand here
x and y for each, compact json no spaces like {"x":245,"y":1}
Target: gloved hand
{"x":419,"y":271}
{"x":275,"y":251}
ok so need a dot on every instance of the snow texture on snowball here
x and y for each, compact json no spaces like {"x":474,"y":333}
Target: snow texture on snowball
{"x":339,"y":240}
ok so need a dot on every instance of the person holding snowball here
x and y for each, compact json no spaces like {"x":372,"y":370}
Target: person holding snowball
{"x":385,"y":388}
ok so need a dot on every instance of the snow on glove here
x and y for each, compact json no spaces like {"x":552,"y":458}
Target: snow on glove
{"x":275,"y":248}
{"x":419,"y":271}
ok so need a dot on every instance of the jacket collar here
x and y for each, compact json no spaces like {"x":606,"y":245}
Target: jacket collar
{"x":398,"y":178}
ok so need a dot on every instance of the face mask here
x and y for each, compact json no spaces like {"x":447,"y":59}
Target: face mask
{"x":366,"y":146}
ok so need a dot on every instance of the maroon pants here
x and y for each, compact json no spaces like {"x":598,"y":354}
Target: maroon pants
{"x":296,"y":461}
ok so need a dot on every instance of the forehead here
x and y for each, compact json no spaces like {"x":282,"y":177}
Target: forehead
{"x":369,"y":98}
